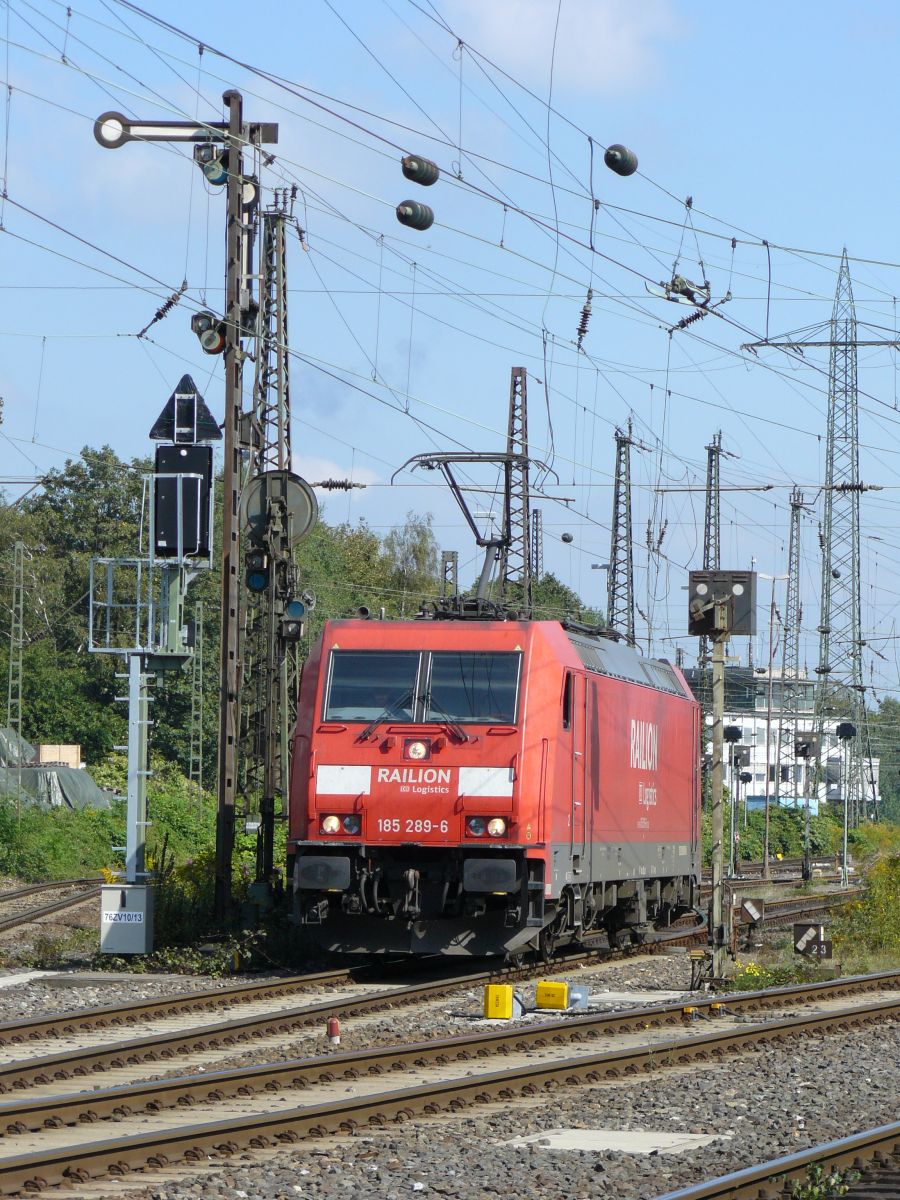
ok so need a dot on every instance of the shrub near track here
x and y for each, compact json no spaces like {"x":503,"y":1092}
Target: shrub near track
{"x":873,"y":922}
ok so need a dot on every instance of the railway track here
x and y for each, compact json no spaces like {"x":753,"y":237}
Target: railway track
{"x":781,"y":868}
{"x":874,"y":1154}
{"x":81,"y":1021}
{"x":803,"y":907}
{"x":56,"y":1138}
{"x":80,"y":892}
{"x":89,"y":1041}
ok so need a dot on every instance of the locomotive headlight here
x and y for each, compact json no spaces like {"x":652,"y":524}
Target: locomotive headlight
{"x":475,"y":826}
{"x":331,"y":824}
{"x":496,"y":827}
{"x":352,"y":824}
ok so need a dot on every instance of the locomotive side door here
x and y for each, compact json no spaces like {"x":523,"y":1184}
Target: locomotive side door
{"x":575,"y":722}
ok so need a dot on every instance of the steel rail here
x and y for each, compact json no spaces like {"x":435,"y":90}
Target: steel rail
{"x":82,"y":1020}
{"x":793,"y":907}
{"x":20,"y":1115}
{"x":769,"y":1180}
{"x":87,"y":1060}
{"x":31,"y":888}
{"x":38,"y":1169}
{"x":35,"y":914}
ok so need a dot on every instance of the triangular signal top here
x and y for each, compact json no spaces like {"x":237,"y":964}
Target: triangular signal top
{"x":185,"y":418}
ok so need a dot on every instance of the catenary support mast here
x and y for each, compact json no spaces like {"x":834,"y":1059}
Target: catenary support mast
{"x":269,"y":663}
{"x":516,"y":558}
{"x":620,"y":574}
{"x":840,"y":645}
{"x":711,"y":556}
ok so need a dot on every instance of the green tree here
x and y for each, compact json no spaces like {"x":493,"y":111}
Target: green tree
{"x":884,"y":730}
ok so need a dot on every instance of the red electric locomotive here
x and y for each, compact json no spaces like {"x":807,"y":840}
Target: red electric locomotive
{"x":490,"y":787}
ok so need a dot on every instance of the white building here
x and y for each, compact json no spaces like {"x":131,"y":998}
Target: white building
{"x":750,"y":708}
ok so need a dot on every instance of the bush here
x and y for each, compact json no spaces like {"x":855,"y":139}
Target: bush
{"x":873,"y":922}
{"x":62,"y":843}
{"x":786,"y":833}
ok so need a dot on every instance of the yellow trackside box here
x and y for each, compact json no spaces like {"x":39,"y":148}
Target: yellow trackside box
{"x":498,"y":1001}
{"x":551,"y":994}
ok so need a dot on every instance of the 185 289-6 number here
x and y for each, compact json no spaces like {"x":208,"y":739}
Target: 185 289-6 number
{"x":411,"y":825}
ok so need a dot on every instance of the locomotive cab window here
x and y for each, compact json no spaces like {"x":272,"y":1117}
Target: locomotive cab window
{"x":567,"y":700}
{"x":365,"y":684}
{"x":473,"y":687}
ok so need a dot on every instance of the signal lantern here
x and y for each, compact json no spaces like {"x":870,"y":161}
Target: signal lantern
{"x":292,"y":624}
{"x":213,"y":162}
{"x":216,"y":170}
{"x":210,"y":331}
{"x":620,"y":159}
{"x":420,"y":170}
{"x":415,"y":215}
{"x":256,"y":570}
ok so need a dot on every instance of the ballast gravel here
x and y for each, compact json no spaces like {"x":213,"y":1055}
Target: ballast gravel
{"x":760,"y":1106}
{"x":70,"y":991}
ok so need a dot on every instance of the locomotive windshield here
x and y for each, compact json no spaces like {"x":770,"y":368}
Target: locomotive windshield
{"x":365,"y":684}
{"x":463,"y":687}
{"x":473,"y":687}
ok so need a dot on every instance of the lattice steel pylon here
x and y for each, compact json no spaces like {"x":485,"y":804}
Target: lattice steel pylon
{"x":449,"y":573}
{"x":195,"y":763}
{"x":16,"y":642}
{"x":789,"y":707}
{"x":840,"y":683}
{"x":269,"y":665}
{"x":620,"y":572}
{"x":712,"y":529}
{"x":537,"y":545}
{"x":515,"y":559}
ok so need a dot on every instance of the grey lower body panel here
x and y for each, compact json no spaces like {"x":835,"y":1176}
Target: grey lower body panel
{"x":606,"y":862}
{"x":460,"y":936}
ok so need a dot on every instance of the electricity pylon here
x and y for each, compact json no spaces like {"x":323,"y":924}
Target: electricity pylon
{"x":449,"y":573}
{"x":786,"y":782}
{"x":537,"y":545}
{"x":16,"y":645}
{"x":269,"y":669}
{"x":620,"y":572}
{"x":515,"y":557}
{"x":840,"y":689}
{"x":195,"y":765}
{"x":840,"y":646}
{"x":711,"y":556}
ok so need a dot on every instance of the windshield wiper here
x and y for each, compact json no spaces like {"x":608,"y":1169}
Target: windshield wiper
{"x":449,"y":723}
{"x":386,"y":713}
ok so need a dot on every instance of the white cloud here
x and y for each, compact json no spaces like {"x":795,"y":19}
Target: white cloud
{"x":603,"y":46}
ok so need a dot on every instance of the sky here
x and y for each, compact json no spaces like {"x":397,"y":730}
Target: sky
{"x":776,"y":121}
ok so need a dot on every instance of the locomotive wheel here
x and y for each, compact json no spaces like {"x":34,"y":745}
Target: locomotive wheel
{"x":547,"y":942}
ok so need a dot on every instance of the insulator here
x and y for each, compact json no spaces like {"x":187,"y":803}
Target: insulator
{"x":420,"y":170}
{"x":621,"y":160}
{"x":585,"y":317}
{"x":695,"y":316}
{"x":567,"y":537}
{"x":415,"y":215}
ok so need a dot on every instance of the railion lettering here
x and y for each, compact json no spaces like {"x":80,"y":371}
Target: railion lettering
{"x":413,"y":775}
{"x":644,"y":746}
